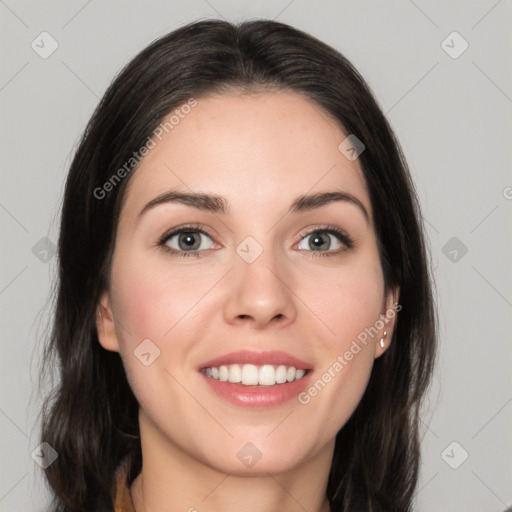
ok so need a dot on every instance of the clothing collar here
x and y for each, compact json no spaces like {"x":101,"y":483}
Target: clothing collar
{"x":122,"y":498}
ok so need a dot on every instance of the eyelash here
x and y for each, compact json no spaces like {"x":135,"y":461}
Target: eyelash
{"x":343,"y":237}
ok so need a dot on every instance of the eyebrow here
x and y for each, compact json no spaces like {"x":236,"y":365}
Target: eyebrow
{"x":219,"y":205}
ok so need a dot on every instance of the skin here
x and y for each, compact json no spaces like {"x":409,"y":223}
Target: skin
{"x":259,"y":151}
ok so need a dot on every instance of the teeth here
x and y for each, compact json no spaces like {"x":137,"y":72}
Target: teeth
{"x":235,"y":373}
{"x":281,"y":374}
{"x":267,"y":376}
{"x":252,"y":375}
{"x":223,"y":373}
{"x":249,"y":374}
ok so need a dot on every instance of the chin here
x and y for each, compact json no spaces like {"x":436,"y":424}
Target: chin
{"x":250,"y":459}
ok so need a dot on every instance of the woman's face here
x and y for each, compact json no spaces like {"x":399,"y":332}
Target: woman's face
{"x":253,"y":274}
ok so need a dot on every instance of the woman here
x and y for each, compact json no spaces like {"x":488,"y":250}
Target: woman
{"x":245,"y":315}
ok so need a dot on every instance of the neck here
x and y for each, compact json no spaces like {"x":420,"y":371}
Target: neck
{"x":258,"y":501}
{"x":171,"y":479}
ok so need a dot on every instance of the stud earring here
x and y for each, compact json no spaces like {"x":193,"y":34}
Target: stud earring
{"x":382,"y":339}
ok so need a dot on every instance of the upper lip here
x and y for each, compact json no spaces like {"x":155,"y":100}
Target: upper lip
{"x":276,"y":357}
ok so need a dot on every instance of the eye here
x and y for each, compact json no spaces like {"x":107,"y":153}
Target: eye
{"x":185,"y":241}
{"x":190,"y":241}
{"x":319,"y":241}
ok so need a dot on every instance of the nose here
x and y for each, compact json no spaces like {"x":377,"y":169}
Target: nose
{"x":260,"y":293}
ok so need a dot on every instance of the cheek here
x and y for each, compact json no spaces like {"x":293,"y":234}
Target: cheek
{"x":141,"y":310}
{"x":352,"y":303}
{"x":353,"y":306}
{"x":153,"y":303}
{"x":150,"y":299}
{"x":149,"y":305}
{"x":353,"y":309}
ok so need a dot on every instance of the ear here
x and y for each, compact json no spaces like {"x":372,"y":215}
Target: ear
{"x":388,"y":316}
{"x":105,"y":324}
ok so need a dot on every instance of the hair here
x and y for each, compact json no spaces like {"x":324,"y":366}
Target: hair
{"x":91,"y":416}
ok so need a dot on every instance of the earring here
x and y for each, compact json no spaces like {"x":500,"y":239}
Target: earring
{"x":382,"y":339}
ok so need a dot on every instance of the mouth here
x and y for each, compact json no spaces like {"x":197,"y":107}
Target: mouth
{"x":254,"y":375}
{"x":256,"y":379}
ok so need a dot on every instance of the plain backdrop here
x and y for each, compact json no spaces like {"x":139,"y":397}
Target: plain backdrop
{"x":440,"y":71}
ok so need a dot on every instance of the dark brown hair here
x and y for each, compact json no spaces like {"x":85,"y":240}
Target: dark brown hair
{"x":90,"y":418}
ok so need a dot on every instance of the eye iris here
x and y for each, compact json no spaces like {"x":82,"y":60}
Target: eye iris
{"x":188,"y":239}
{"x":317,"y":241}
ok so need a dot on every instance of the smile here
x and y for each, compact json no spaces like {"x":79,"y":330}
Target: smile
{"x":254,"y":375}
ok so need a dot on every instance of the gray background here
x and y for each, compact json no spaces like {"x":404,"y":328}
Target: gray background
{"x":452,"y":117}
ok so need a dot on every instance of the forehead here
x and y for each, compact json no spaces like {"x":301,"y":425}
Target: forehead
{"x":259,"y":150}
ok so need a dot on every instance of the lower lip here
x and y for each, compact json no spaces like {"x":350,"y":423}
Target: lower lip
{"x":257,"y":396}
